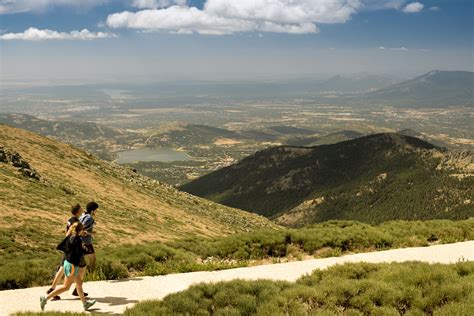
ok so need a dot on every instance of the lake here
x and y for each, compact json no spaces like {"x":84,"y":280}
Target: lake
{"x":148,"y":154}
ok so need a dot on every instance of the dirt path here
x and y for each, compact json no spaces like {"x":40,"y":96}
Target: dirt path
{"x":115,"y":296}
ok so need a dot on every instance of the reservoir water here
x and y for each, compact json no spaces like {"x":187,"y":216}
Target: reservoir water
{"x":148,"y":154}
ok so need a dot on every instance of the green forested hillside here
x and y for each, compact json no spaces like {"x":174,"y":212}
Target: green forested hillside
{"x":372,"y":179}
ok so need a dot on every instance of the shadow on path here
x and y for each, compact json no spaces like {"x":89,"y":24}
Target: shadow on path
{"x":114,"y":300}
{"x":97,"y":311}
{"x":125,"y":280}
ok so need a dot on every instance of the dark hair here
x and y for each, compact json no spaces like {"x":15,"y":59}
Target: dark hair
{"x":91,"y":206}
{"x":75,"y":209}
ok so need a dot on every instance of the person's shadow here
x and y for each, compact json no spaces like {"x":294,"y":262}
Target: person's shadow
{"x":125,"y":280}
{"x":97,"y":311}
{"x":114,"y":300}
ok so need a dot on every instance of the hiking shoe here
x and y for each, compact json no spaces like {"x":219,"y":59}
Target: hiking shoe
{"x":43,"y":302}
{"x":77,"y":294}
{"x":88,"y":304}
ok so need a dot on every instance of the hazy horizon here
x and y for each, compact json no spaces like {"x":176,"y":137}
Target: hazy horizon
{"x":152,"y":41}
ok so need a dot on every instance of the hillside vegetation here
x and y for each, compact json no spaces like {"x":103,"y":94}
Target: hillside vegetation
{"x":371,"y":179}
{"x":328,"y":239}
{"x":41,"y":178}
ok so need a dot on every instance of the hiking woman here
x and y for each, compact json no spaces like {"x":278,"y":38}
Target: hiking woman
{"x":73,"y":253}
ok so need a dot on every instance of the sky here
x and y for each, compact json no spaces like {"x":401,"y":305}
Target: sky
{"x":134,"y":40}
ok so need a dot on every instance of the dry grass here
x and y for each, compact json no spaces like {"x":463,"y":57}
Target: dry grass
{"x":132,"y":209}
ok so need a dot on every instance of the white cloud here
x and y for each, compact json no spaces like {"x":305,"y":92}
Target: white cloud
{"x":434,"y":8}
{"x":382,"y":47}
{"x":178,"y":19}
{"x":34,"y":34}
{"x":383,"y":4}
{"x":17,"y":6}
{"x":230,"y":16}
{"x":413,"y":7}
{"x":155,"y":4}
{"x":284,"y":11}
{"x":399,"y":48}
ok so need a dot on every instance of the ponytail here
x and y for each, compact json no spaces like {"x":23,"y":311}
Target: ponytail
{"x":75,"y":229}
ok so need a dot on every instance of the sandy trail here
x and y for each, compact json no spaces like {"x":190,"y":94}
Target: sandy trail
{"x":114,"y":297}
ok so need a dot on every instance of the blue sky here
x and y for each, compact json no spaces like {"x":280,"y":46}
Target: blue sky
{"x":162,"y":39}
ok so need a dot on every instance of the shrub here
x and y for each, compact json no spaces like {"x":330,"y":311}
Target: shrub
{"x":331,"y":238}
{"x":26,"y":274}
{"x":108,"y":270}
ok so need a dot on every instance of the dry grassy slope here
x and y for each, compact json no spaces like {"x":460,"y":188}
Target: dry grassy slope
{"x":133,"y":208}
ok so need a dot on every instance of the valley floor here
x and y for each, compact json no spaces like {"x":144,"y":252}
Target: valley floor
{"x":115,"y":296}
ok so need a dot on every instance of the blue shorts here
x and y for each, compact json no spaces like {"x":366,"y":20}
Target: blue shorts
{"x":70,"y":269}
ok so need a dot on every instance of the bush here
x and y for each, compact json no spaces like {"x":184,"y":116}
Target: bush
{"x":331,"y":238}
{"x":108,"y":270}
{"x":26,"y":274}
{"x":232,"y":298}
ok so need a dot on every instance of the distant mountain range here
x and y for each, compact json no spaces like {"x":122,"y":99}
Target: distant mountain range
{"x":373,"y":179}
{"x":354,"y":84}
{"x":433,"y":89}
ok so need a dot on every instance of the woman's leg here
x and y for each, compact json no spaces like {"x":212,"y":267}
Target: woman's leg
{"x":63,"y":288}
{"x":57,"y":277}
{"x":87,"y":304}
{"x":82,"y":272}
{"x":79,"y":289}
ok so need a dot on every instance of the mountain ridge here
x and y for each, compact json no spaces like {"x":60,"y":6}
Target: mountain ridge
{"x":434,"y":89}
{"x":371,"y":178}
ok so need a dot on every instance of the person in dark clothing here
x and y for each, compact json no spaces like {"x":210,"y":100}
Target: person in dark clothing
{"x":88,"y":221}
{"x":76,"y":211}
{"x":73,"y":252}
{"x":82,"y":264}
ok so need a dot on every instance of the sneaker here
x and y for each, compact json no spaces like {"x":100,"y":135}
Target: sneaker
{"x":43,"y":302}
{"x":88,"y":304}
{"x":77,"y":294}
